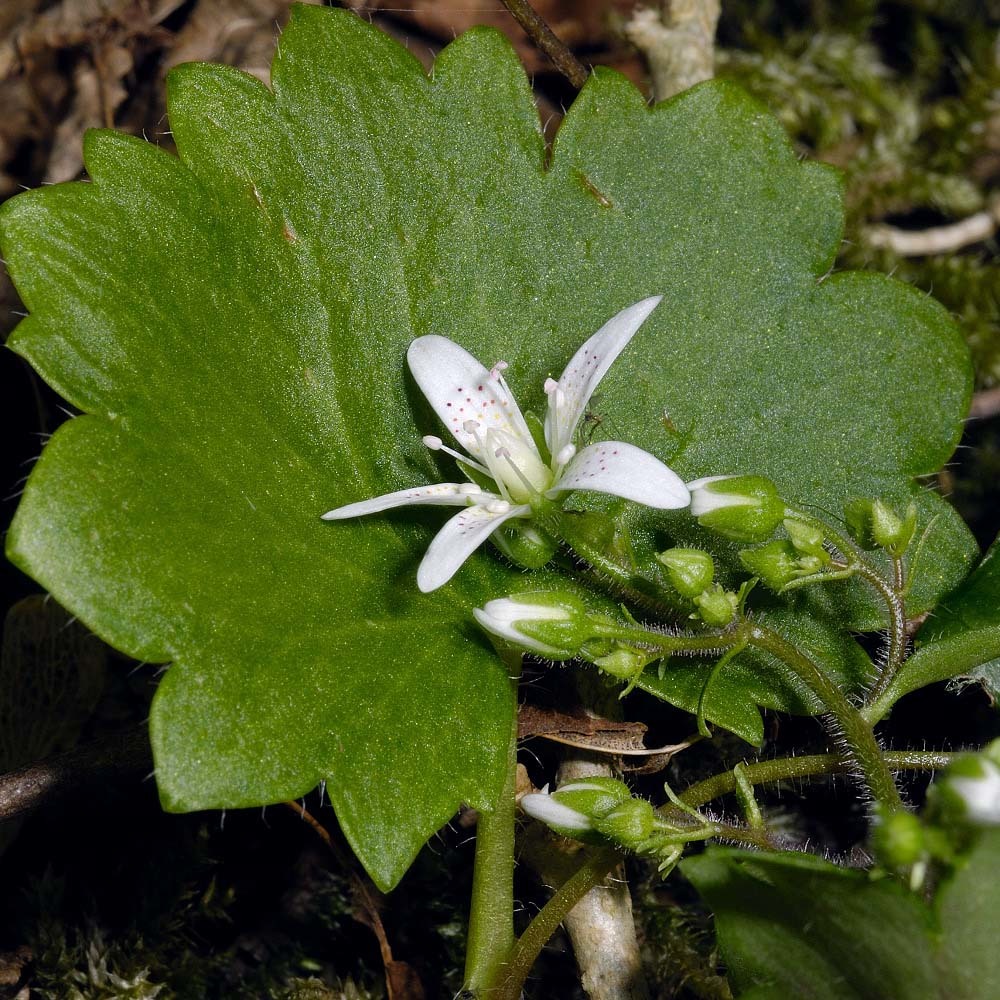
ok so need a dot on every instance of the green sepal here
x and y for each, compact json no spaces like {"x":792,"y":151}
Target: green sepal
{"x":690,"y":570}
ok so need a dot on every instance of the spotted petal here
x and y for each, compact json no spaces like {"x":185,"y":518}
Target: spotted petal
{"x":586,"y":368}
{"x":438,"y":494}
{"x":461,"y":389}
{"x":459,"y":538}
{"x":624,"y":471}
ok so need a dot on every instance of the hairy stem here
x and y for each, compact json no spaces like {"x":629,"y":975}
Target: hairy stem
{"x":782,"y":768}
{"x":588,"y":876}
{"x":891,"y":594}
{"x":491,"y":916}
{"x":864,"y":748}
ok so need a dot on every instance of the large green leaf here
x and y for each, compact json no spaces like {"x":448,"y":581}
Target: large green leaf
{"x":234,"y":324}
{"x":966,"y":906}
{"x":797,"y":926}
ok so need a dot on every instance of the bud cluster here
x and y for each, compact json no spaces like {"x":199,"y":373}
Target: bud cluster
{"x":691,"y":573}
{"x":781,"y":562}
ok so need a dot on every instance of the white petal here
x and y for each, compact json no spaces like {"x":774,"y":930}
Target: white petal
{"x":624,"y":471}
{"x":439,"y":494}
{"x":545,"y":808}
{"x":704,"y":501}
{"x":460,"y":537}
{"x":460,"y":389}
{"x":586,"y":369}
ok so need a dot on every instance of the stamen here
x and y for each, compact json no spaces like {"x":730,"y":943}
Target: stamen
{"x":472,"y":427}
{"x":436,"y":444}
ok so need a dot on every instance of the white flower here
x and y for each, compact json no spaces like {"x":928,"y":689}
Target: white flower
{"x":476,"y":406}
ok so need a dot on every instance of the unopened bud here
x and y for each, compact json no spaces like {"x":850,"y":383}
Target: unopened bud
{"x":744,"y":508}
{"x":572,"y":809}
{"x":525,"y":544}
{"x":717,"y":607}
{"x":775,"y":564}
{"x":807,"y":539}
{"x":690,"y":570}
{"x":554,"y":624}
{"x":873,"y":524}
{"x":900,"y":840}
{"x":629,"y":824}
{"x":623,"y":662}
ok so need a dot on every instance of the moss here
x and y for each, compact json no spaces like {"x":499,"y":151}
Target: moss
{"x":905,"y":98}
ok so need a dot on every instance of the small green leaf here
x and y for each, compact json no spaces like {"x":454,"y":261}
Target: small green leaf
{"x":234,"y":324}
{"x":796,"y":926}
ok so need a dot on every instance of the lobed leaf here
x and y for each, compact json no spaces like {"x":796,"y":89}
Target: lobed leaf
{"x":234,"y":325}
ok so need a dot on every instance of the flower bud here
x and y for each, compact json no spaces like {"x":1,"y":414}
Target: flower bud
{"x":623,"y":662}
{"x":717,"y":607}
{"x":630,"y":824}
{"x":900,"y":840}
{"x":894,"y":534}
{"x":572,"y":809}
{"x":776,"y":564}
{"x":690,"y":570}
{"x":744,"y":508}
{"x":872,"y":523}
{"x":807,"y":539}
{"x":554,"y":624}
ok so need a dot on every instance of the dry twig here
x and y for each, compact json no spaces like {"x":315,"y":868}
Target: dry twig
{"x":939,"y":239}
{"x":543,"y":36}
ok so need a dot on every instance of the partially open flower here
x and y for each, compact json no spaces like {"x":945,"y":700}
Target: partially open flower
{"x":975,"y":783}
{"x":554,"y":624}
{"x":572,"y":808}
{"x":744,"y":508}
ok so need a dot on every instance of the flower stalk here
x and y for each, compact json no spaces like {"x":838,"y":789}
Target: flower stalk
{"x":491,"y":915}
